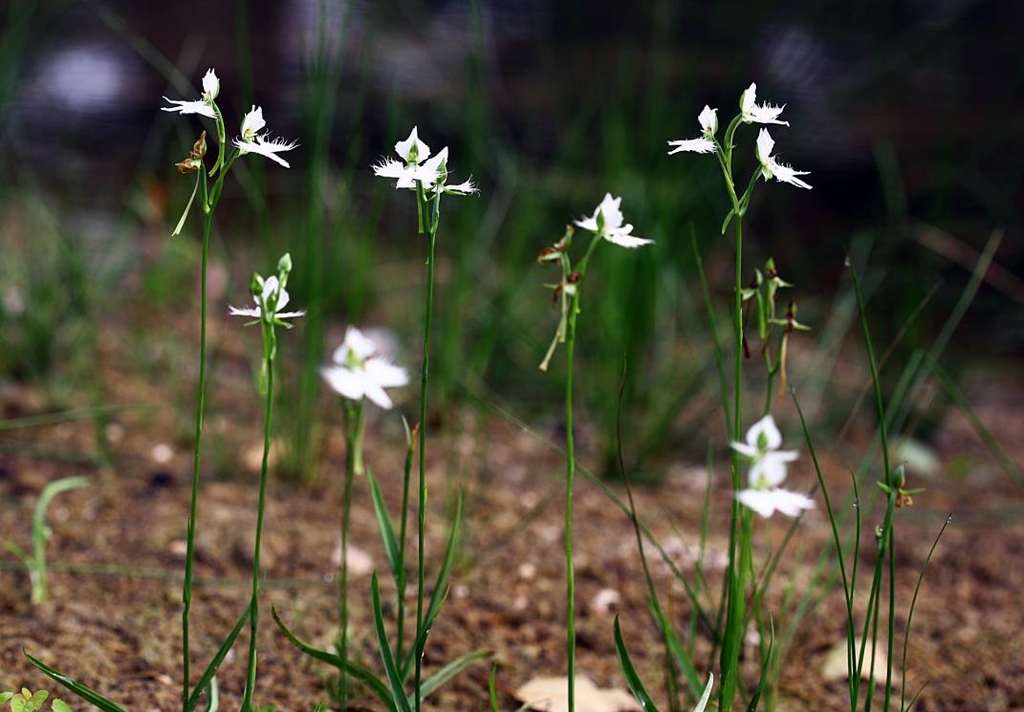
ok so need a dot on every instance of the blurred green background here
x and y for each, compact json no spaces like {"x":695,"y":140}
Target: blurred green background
{"x":905,"y":112}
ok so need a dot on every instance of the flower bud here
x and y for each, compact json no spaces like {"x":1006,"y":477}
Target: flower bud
{"x":899,"y":476}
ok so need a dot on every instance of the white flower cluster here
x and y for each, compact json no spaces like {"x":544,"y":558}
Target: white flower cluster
{"x":251,"y":140}
{"x":767,"y":472}
{"x":750,"y":113}
{"x":417,"y":166}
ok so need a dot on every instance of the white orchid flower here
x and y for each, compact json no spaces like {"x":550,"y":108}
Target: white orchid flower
{"x":252,"y":141}
{"x":767,"y":472}
{"x":417,"y":167}
{"x":708,"y":119}
{"x":607,"y":222}
{"x":204,"y":106}
{"x":753,"y":113}
{"x":359,"y":371}
{"x":770,"y":166}
{"x":269,"y":287}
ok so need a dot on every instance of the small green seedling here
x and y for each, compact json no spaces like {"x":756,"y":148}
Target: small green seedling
{"x":36,"y":563}
{"x":27,"y":701}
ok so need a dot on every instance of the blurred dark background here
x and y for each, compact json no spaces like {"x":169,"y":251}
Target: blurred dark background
{"x":906,"y":113}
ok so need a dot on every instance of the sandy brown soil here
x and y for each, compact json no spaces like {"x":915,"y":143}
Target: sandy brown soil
{"x":113,"y":620}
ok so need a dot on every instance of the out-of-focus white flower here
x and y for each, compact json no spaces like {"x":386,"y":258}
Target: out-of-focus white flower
{"x":252,"y":141}
{"x":762,"y":449}
{"x":419,"y":167}
{"x":753,"y":113}
{"x":269,"y":288}
{"x":708,"y":119}
{"x":358,"y":370}
{"x":771,"y":168}
{"x":204,"y":106}
{"x":766,"y":502}
{"x":607,"y":222}
{"x":767,"y":472}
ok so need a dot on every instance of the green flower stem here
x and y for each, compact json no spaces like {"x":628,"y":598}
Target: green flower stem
{"x":429,"y":208}
{"x":210,"y":198}
{"x":221,"y":143}
{"x":400,"y":579}
{"x":186,"y":594}
{"x":741,"y":529}
{"x":355,"y":422}
{"x":570,"y":475}
{"x":269,"y":350}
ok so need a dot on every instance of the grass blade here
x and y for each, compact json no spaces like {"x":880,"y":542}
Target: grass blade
{"x":451,"y":670}
{"x":212,"y":696}
{"x":679,"y":652}
{"x":762,"y":681}
{"x":401,"y":700}
{"x":440,"y":593}
{"x":357,"y":671}
{"x":968,"y":412}
{"x":910,"y":614}
{"x":86,"y":693}
{"x":387,"y":531}
{"x":211,"y":669}
{"x":636,"y":686}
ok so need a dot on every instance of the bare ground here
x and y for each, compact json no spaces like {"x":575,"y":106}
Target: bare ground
{"x":113,"y":619}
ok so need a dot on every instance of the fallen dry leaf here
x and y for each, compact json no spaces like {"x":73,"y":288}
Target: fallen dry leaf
{"x":550,"y":694}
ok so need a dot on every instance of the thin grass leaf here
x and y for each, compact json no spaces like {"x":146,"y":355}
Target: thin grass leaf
{"x":401,"y":700}
{"x":492,"y":688}
{"x":212,"y":696}
{"x":762,"y":681}
{"x":357,"y":671}
{"x":679,"y":652}
{"x":910,"y":613}
{"x":93,"y":413}
{"x":188,"y":207}
{"x":387,"y":530}
{"x":984,"y":433}
{"x":211,"y":669}
{"x":633,"y":681}
{"x":451,"y":670}
{"x":615,"y":499}
{"x":86,"y":693}
{"x":706,"y":695}
{"x":440,"y":592}
{"x":723,"y":385}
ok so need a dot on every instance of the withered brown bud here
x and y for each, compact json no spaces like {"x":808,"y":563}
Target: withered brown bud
{"x":195,"y":160}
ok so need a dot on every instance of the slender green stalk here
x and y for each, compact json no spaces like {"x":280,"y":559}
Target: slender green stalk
{"x":740,"y":519}
{"x":355,"y":421}
{"x":431,"y":209}
{"x":400,"y":575}
{"x":671,"y":683}
{"x":570,"y":475}
{"x":186,"y":595}
{"x":269,"y":358}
